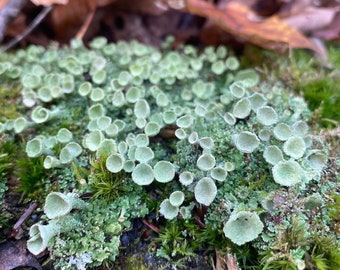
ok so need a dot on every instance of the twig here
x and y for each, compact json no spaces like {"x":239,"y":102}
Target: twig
{"x":85,"y":26}
{"x":150,"y":226}
{"x":22,"y":219}
{"x":8,"y":13}
{"x":29,"y":29}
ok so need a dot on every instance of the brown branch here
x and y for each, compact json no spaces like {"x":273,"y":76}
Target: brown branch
{"x":22,"y":219}
{"x":29,"y":29}
{"x":11,"y":9}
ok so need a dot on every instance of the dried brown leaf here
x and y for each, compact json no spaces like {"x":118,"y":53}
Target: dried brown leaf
{"x":236,"y":18}
{"x":311,"y":18}
{"x":226,"y":261}
{"x":3,"y":3}
{"x":68,"y":19}
{"x":153,"y":7}
{"x":331,"y":32}
{"x":47,"y":3}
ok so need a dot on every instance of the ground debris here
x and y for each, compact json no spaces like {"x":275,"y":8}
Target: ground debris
{"x":14,"y":254}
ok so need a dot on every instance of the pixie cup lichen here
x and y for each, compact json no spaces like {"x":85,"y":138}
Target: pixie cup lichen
{"x":187,"y":133}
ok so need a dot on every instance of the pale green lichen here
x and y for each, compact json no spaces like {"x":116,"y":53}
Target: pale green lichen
{"x":191,"y":121}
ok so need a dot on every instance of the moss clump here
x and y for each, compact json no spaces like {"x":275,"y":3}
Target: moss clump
{"x":8,"y":102}
{"x":316,"y":79}
{"x":323,"y":96}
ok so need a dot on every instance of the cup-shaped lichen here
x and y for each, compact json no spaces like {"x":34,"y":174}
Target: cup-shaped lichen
{"x":242,"y":108}
{"x":142,"y":140}
{"x":237,"y":90}
{"x":152,"y":129}
{"x":257,"y":100}
{"x":169,"y":117}
{"x":96,"y":111}
{"x":300,"y":128}
{"x":206,"y":162}
{"x":229,"y":118}
{"x":40,"y":235}
{"x":164,"y":171}
{"x":246,"y":142}
{"x":40,"y":115}
{"x":69,"y":152}
{"x":265,"y":134}
{"x":287,"y":173}
{"x":168,"y":210}
{"x":115,"y":162}
{"x":64,"y":135}
{"x":58,"y":204}
{"x":282,"y":131}
{"x":294,"y":147}
{"x":51,"y":162}
{"x":35,"y":147}
{"x":272,"y":154}
{"x":317,"y":159}
{"x":97,"y":94}
{"x":176,"y":198}
{"x":219,"y":174}
{"x":186,"y":178}
{"x":20,"y":124}
{"x":144,"y":154}
{"x":180,"y":133}
{"x":112,"y":130}
{"x":229,"y":166}
{"x":85,"y":89}
{"x":184,"y":121}
{"x":205,"y":191}
{"x":143,"y":174}
{"x":206,"y":143}
{"x":103,"y":122}
{"x":243,"y":227}
{"x":266,"y":115}
{"x":232,"y":63}
{"x":93,"y":140}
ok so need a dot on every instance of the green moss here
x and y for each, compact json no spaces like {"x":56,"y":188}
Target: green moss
{"x":9,"y":102}
{"x":104,"y":184}
{"x":135,"y":261}
{"x":32,"y":176}
{"x":307,"y":75}
{"x":323,"y":95}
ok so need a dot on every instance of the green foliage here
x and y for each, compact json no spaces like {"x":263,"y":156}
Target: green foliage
{"x":315,"y":79}
{"x":177,"y":242}
{"x":31,"y":174}
{"x":8,"y":96}
{"x":96,"y":239}
{"x":104,"y":184}
{"x":322,"y":95}
{"x":7,"y":151}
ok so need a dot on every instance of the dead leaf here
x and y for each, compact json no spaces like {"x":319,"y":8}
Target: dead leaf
{"x":331,"y":32}
{"x":69,"y":19}
{"x":3,"y":3}
{"x":311,"y":18}
{"x":271,"y":33}
{"x":226,"y":261}
{"x":47,"y":3}
{"x":14,"y":254}
{"x":154,"y":7}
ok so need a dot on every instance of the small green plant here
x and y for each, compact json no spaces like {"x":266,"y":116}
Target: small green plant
{"x":31,"y":174}
{"x":175,"y":242}
{"x":104,"y":184}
